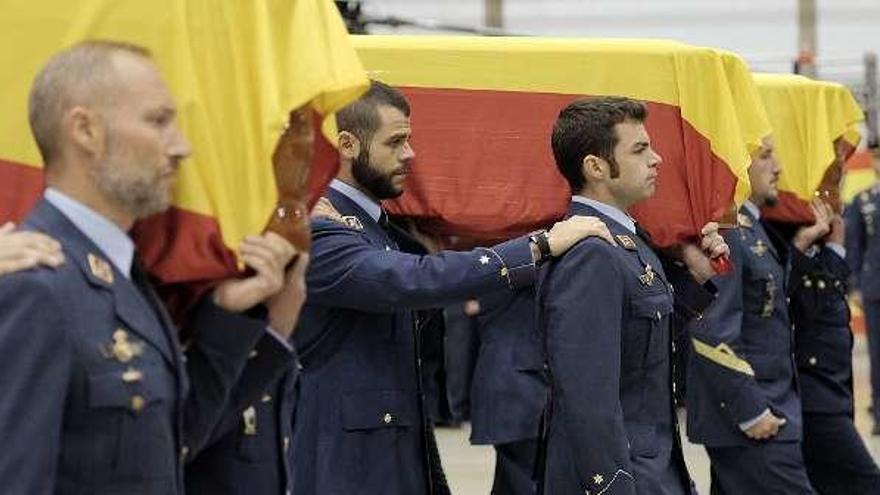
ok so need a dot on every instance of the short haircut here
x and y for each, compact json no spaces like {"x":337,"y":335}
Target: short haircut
{"x":78,"y":75}
{"x":361,"y":117}
{"x":586,"y":127}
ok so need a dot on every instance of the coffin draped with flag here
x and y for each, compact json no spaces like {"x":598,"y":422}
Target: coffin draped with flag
{"x":236,"y":70}
{"x":484,"y":108}
{"x":809,"y":118}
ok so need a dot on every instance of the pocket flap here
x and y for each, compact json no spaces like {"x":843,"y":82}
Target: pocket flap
{"x":119,"y":388}
{"x":528,"y":356}
{"x":642,"y":440}
{"x":373,"y":409}
{"x":654,"y":306}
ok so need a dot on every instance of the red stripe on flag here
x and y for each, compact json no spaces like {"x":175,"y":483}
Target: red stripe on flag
{"x":858,"y":161}
{"x":484,"y":168}
{"x":20,"y":188}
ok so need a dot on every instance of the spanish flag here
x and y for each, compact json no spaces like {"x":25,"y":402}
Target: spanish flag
{"x":237,"y":69}
{"x":483,"y":111}
{"x":858,"y":175}
{"x":809,"y":118}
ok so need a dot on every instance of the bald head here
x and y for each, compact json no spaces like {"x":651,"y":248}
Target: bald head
{"x":82,"y":75}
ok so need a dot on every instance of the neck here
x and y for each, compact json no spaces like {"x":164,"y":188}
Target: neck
{"x":346,"y":176}
{"x":86,"y":193}
{"x":759,"y":202}
{"x":602,"y":195}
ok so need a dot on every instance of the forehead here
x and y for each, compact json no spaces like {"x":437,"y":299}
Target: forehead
{"x":391,"y":121}
{"x":630,"y":132}
{"x":139,"y":83}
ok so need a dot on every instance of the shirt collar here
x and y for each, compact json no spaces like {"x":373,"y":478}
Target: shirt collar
{"x":110,"y":239}
{"x":368,"y":205}
{"x":615,"y":214}
{"x":753,"y":209}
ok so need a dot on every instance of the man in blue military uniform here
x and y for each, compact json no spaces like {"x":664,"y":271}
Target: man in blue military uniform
{"x":604,"y":311}
{"x":862,"y":218}
{"x":360,"y":421}
{"x":98,"y":396}
{"x":742,"y":396}
{"x":835,"y":456}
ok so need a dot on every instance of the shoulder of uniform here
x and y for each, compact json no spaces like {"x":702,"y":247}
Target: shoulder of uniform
{"x":346,"y":224}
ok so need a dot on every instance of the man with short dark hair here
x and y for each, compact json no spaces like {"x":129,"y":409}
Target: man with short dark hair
{"x":360,"y":421}
{"x":98,"y":396}
{"x":604,"y":312}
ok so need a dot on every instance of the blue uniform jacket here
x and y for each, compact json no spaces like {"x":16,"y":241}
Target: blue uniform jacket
{"x":509,"y":386}
{"x":742,"y":359}
{"x":360,"y":424}
{"x":862,"y":218}
{"x":823,"y":340}
{"x":96,"y":391}
{"x":249,"y":447}
{"x":605,"y":317}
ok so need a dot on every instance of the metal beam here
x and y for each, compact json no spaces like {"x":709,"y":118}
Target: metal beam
{"x":807,"y":44}
{"x":494,"y":14}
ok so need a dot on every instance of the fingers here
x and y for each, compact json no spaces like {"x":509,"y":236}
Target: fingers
{"x":709,"y":229}
{"x":299,"y":269}
{"x":324,"y":208}
{"x":24,"y":250}
{"x":271,"y":247}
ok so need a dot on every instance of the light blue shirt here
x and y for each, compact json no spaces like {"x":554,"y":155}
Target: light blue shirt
{"x":106,"y":235}
{"x":365,"y":202}
{"x":611,"y":212}
{"x":753,"y":209}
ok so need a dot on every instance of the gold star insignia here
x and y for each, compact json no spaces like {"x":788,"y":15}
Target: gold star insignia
{"x":598,"y":479}
{"x":647,"y":278}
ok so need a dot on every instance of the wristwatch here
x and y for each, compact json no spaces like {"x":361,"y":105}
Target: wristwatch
{"x":541,"y":240}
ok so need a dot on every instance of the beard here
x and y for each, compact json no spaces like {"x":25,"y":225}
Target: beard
{"x":373,"y":181}
{"x":136,"y":187}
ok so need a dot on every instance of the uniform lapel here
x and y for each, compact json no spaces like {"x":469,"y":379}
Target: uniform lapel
{"x":364,"y":222}
{"x":624,"y":238}
{"x":761,"y":233}
{"x":130,"y":305}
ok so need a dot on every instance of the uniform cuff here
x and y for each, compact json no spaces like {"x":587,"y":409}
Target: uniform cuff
{"x":517,"y":266}
{"x":233,"y":334}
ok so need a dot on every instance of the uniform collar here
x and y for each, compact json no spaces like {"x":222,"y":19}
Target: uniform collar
{"x":753,"y":209}
{"x":611,"y":212}
{"x":106,"y":235}
{"x":368,"y":205}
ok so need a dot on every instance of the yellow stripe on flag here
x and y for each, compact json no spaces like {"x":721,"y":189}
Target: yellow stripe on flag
{"x":807,"y":117}
{"x":237,"y":68}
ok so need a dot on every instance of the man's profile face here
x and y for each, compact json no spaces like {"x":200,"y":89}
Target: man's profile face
{"x":764,"y":175}
{"x":637,"y":164}
{"x":143,"y":145}
{"x":381,"y":167}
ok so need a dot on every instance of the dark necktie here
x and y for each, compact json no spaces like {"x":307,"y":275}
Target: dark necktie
{"x":141,"y":279}
{"x":643,"y":234}
{"x":383,"y":221}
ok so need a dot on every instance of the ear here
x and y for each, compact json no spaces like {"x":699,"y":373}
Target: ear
{"x":85,"y":130}
{"x":349,"y":145}
{"x":593,"y":168}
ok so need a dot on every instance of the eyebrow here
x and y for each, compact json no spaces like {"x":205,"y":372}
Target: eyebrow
{"x":398,"y":136}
